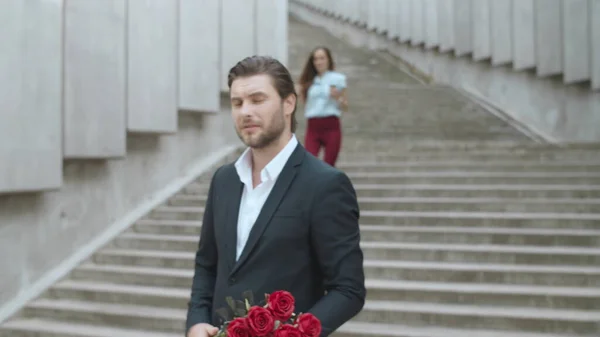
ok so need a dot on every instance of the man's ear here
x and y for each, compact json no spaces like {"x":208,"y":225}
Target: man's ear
{"x":289,"y":104}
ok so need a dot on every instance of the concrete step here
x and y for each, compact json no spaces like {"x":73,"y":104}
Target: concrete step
{"x":447,"y":177}
{"x":523,"y":296}
{"x":392,"y":251}
{"x":483,"y":219}
{"x":380,"y":129}
{"x":177,"y":213}
{"x":34,"y":327}
{"x":457,"y":190}
{"x":145,"y":258}
{"x":477,"y":191}
{"x":481,"y":273}
{"x":134,"y":275}
{"x":168,"y":238}
{"x":567,"y":205}
{"x":471,"y":166}
{"x":103,"y":292}
{"x":177,"y":227}
{"x":574,"y":276}
{"x":510,"y":146}
{"x":78,"y":301}
{"x":419,"y":314}
{"x":144,"y":241}
{"x":394,"y":290}
{"x":361,"y":329}
{"x":124,"y":316}
{"x":482,"y":235}
{"x":493,"y":317}
{"x":482,"y":253}
{"x":187,"y":200}
{"x":399,"y":156}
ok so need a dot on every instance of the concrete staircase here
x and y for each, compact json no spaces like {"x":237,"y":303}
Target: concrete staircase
{"x":469,"y":228}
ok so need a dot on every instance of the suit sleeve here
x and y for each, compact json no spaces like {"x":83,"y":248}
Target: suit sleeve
{"x":205,"y":269}
{"x":335,"y":237}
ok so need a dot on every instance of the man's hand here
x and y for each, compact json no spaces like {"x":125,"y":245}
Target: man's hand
{"x":202,"y":330}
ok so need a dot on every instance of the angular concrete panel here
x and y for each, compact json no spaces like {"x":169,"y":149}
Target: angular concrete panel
{"x":373,"y":15}
{"x":393,"y":19}
{"x":501,"y":11}
{"x":30,"y":96}
{"x":548,"y":37}
{"x":446,"y":24}
{"x":417,"y":29}
{"x":432,"y":39}
{"x":153,"y":27}
{"x":238,"y":34}
{"x":199,"y":39}
{"x":463,"y":29}
{"x":576,"y":41}
{"x":382,"y":15}
{"x":482,"y":30}
{"x":405,"y":21}
{"x":363,"y":12}
{"x":523,"y":34}
{"x":272,"y":29}
{"x":95,"y":88}
{"x":595,"y":43}
{"x":354,"y":10}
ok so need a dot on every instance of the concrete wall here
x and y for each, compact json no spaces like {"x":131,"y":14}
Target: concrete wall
{"x":106,"y":106}
{"x":39,"y":231}
{"x":26,"y":147}
{"x":536,"y":60}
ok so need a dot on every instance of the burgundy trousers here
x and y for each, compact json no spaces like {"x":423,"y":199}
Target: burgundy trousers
{"x":324,"y":132}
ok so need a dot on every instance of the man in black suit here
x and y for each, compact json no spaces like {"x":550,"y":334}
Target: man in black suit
{"x":278,"y":218}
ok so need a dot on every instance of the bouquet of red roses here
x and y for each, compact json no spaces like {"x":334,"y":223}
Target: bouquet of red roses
{"x":275,"y":319}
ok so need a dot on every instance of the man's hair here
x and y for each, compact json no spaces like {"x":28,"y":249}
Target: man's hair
{"x":280,"y":75}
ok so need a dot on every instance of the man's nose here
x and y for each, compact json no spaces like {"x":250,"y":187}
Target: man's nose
{"x":247,"y":109}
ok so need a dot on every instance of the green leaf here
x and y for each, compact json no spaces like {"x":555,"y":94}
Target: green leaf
{"x":249,"y":296}
{"x":240,"y":312}
{"x":247,"y":305}
{"x":230,"y":302}
{"x":223,"y":313}
{"x":240,"y":305}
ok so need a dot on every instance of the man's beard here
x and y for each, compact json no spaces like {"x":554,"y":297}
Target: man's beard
{"x":265,"y":137}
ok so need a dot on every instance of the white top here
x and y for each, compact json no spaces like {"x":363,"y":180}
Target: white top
{"x":253,"y":199}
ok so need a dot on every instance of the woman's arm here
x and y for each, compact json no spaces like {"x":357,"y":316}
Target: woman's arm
{"x":343,"y":100}
{"x":340,"y":97}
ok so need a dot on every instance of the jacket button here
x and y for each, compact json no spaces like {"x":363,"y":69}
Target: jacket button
{"x":231,"y":281}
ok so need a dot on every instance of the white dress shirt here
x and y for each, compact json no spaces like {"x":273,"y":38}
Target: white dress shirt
{"x":253,"y":199}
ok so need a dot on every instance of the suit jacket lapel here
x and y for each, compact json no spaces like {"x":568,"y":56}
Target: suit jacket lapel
{"x":273,"y":200}
{"x":234,"y":195}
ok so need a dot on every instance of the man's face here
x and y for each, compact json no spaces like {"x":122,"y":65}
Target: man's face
{"x":259,"y":114}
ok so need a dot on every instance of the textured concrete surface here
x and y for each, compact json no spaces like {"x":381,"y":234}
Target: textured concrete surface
{"x":450,"y":250}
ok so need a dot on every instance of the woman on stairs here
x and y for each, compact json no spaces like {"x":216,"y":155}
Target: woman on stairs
{"x":323,"y":91}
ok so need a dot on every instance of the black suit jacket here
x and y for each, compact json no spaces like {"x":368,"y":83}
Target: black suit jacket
{"x":305,"y":240}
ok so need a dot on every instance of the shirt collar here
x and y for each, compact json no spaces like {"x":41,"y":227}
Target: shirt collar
{"x":272,"y":170}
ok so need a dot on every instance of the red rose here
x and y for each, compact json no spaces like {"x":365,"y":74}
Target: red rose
{"x":309,"y":325}
{"x":238,"y":328}
{"x":260,"y":321}
{"x":281,"y":304}
{"x":287,"y":330}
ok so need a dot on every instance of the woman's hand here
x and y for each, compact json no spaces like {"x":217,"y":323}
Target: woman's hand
{"x":334,"y":93}
{"x":340,"y":97}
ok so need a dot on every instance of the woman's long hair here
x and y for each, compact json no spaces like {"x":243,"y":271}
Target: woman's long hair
{"x":310,"y":72}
